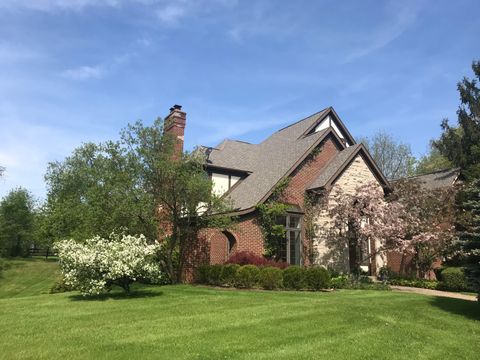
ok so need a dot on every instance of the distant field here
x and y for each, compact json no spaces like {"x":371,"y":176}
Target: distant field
{"x":188,"y":322}
{"x":28,"y":277}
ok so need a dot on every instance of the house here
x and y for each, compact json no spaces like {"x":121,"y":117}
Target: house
{"x":317,"y":155}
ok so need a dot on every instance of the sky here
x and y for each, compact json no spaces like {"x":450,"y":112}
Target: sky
{"x":76,"y":71}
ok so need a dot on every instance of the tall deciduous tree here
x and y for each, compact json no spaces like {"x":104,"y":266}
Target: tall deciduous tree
{"x":17,"y":222}
{"x":98,"y":189}
{"x":394,"y":158}
{"x":181,"y":191}
{"x":461,"y":144}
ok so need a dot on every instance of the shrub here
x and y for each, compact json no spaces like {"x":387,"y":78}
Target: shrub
{"x":294,"y":277}
{"x":339,"y":282}
{"x":98,"y":264}
{"x":249,"y":258}
{"x":229,"y":274}
{"x":420,"y":283}
{"x":203,"y":274}
{"x":247,"y":276}
{"x":215,"y":275}
{"x":317,"y":278}
{"x":270,"y":278}
{"x":453,"y":279}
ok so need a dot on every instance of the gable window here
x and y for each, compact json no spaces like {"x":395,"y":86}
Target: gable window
{"x":291,"y":249}
{"x":223,"y":182}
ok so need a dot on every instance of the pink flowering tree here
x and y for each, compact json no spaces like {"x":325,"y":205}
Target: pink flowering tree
{"x":364,"y":218}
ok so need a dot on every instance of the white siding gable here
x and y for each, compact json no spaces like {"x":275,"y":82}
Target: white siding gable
{"x":329,"y":122}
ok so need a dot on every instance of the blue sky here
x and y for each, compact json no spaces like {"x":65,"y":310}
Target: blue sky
{"x":74,"y":71}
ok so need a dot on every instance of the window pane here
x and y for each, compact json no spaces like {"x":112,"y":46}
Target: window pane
{"x":294,"y":222}
{"x":281,"y":220}
{"x":294,"y":244}
{"x":283,"y":250}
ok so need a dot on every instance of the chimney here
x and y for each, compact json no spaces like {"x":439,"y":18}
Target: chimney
{"x":174,"y":124}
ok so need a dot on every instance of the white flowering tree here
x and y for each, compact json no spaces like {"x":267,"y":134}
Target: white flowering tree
{"x":98,"y":264}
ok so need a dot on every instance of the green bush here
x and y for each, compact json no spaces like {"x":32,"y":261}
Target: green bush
{"x":203,"y":274}
{"x":215,"y":275}
{"x":60,"y":286}
{"x":339,"y":282}
{"x":247,"y":276}
{"x":419,"y":283}
{"x":453,"y":279}
{"x":229,"y":274}
{"x":270,"y":278}
{"x":294,"y":277}
{"x":317,"y":278}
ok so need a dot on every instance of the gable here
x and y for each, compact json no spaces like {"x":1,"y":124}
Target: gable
{"x":327,"y":122}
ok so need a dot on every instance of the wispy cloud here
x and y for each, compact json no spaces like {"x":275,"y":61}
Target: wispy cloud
{"x":83,"y":73}
{"x":400,"y":17}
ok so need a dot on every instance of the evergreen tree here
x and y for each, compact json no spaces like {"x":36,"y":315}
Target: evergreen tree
{"x":461,"y":145}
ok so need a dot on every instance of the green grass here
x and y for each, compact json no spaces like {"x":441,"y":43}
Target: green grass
{"x":27,"y":277}
{"x":187,"y":322}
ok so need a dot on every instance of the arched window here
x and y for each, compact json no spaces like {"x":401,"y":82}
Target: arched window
{"x":231,"y":241}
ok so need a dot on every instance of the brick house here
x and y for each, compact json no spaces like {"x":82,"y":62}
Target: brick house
{"x":317,"y":154}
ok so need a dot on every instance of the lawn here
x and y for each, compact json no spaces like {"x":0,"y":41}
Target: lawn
{"x":188,"y":322}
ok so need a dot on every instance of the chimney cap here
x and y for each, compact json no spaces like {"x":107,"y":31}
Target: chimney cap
{"x":176,"y":107}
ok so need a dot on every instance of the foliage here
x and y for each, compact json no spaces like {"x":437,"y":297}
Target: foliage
{"x":317,"y":277}
{"x":17,"y":218}
{"x":432,"y":161}
{"x":249,"y":258}
{"x":229,"y":274}
{"x":429,"y":222}
{"x":136,"y":185}
{"x":98,"y":189}
{"x":247,"y":276}
{"x":418,"y":283}
{"x":181,"y":191}
{"x":98,"y":264}
{"x":461,"y":144}
{"x":294,"y":277}
{"x":270,"y":278}
{"x":60,"y":286}
{"x":453,"y":279}
{"x":362,"y":217}
{"x":354,"y":282}
{"x":470,"y":232}
{"x":395,"y":159}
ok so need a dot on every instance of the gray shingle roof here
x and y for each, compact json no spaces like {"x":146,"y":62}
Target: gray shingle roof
{"x":333,"y":166}
{"x":268,"y":161}
{"x":438,"y":179}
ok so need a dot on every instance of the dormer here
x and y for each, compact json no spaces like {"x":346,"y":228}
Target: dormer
{"x":331,"y":120}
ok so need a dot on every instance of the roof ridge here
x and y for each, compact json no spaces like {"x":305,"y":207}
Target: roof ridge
{"x":429,"y":173}
{"x":305,"y":118}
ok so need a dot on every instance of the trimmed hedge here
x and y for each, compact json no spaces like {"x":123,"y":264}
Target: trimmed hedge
{"x":247,"y":276}
{"x":419,"y":283}
{"x":266,"y":277}
{"x":294,"y":277}
{"x":317,"y":278}
{"x":270,"y":278}
{"x":453,"y":279}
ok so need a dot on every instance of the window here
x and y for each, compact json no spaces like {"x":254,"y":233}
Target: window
{"x":223,"y":182}
{"x":291,"y":246}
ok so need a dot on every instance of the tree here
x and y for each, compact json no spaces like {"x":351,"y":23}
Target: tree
{"x":181,"y":191}
{"x":470,"y":232}
{"x":17,"y":222}
{"x":392,"y":157}
{"x":364,"y":217}
{"x":429,"y":219}
{"x":431,"y":162}
{"x":461,"y":144}
{"x":98,"y":264}
{"x":96,"y":190}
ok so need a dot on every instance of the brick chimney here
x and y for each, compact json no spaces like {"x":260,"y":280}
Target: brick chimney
{"x":174,"y":124}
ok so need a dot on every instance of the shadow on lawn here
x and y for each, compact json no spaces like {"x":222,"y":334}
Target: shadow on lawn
{"x":137,"y":294}
{"x":469,"y":309}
